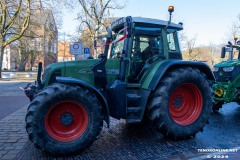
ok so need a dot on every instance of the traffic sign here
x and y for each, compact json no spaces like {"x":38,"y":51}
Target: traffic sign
{"x":76,"y":48}
{"x":86,"y":50}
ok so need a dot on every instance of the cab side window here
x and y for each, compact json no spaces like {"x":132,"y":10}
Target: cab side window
{"x":173,"y":45}
{"x":171,"y":42}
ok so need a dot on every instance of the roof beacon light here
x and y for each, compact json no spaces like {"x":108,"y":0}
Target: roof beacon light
{"x":235,"y":38}
{"x":171,"y":9}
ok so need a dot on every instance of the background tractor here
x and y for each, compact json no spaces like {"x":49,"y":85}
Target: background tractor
{"x":140,"y":74}
{"x":227,"y":74}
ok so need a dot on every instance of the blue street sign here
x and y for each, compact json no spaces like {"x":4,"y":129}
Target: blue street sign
{"x":86,"y":50}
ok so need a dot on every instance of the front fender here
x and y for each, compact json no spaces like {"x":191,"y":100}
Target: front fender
{"x":151,"y":80}
{"x":100,"y":97}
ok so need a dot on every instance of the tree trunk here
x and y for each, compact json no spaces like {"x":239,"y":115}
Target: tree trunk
{"x":22,"y":66}
{"x":1,"y":58}
{"x":23,"y":59}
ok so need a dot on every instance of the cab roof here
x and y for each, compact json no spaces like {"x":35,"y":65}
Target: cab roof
{"x":145,"y":22}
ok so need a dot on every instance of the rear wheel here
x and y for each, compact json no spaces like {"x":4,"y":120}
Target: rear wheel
{"x":63,"y":119}
{"x":181,"y":104}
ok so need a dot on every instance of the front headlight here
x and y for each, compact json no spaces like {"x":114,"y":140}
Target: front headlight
{"x":215,"y":69}
{"x":219,"y":92}
{"x":228,"y":69}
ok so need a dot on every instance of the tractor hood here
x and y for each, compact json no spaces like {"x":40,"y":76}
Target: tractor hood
{"x":67,"y":69}
{"x":80,"y":69}
{"x":227,"y":63}
{"x":80,"y":63}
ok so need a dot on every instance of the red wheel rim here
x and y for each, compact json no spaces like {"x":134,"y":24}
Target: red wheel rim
{"x":185,"y":104}
{"x":66,"y":121}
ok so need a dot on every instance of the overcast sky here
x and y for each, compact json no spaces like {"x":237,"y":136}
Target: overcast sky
{"x":208,"y":20}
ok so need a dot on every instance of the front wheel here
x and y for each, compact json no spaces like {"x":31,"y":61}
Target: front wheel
{"x":181,"y":104}
{"x":63,"y":119}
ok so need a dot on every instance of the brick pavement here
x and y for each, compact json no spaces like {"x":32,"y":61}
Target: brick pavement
{"x":13,"y":136}
{"x":124,"y":141}
{"x":121,"y":142}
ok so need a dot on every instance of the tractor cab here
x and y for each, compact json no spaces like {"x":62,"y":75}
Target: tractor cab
{"x":232,"y":50}
{"x":140,"y":42}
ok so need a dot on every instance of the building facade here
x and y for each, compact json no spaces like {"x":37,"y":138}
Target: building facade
{"x":64,"y":52}
{"x":45,"y":43}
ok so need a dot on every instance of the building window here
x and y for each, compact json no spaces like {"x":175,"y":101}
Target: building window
{"x":38,"y":44}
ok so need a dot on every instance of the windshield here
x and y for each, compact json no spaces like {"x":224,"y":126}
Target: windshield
{"x":117,"y":44}
{"x":117,"y":47}
{"x":232,"y":54}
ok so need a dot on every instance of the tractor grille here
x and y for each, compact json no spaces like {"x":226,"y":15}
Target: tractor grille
{"x":222,"y":76}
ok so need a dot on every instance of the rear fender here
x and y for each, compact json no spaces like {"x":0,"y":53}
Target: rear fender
{"x":100,"y":97}
{"x":152,"y":79}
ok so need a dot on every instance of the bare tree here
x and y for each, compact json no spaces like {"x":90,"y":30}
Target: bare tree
{"x":12,"y":12}
{"x":57,"y":7}
{"x":234,"y":30}
{"x":23,"y":52}
{"x":189,"y":45}
{"x":36,"y":43}
{"x":94,"y":15}
{"x":27,"y":50}
{"x":215,"y":51}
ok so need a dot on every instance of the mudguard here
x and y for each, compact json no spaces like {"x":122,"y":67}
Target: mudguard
{"x":101,"y":98}
{"x":153,"y":77}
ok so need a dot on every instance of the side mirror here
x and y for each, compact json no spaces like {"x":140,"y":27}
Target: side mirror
{"x":109,"y":31}
{"x":223,"y":53}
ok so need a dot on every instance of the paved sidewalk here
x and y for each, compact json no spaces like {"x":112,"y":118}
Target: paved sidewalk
{"x":12,"y":134}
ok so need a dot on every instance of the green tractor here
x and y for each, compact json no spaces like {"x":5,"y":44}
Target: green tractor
{"x":227,"y":74}
{"x":140,"y":75}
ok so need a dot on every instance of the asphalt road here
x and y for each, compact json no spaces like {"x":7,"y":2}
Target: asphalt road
{"x":11,"y":97}
{"x":124,"y":141}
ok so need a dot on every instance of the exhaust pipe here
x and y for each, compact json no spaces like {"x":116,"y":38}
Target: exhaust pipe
{"x":39,"y":81}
